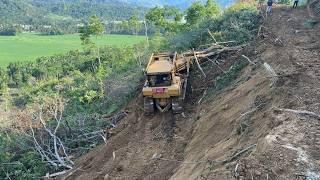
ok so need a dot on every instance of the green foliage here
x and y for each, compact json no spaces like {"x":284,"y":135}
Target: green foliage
{"x":27,"y":165}
{"x":167,"y":18}
{"x":3,"y":80}
{"x":134,"y":24}
{"x":287,"y":2}
{"x":99,"y":81}
{"x":93,"y":28}
{"x":78,"y":78}
{"x":195,"y":13}
{"x":96,"y":27}
{"x":242,"y":6}
{"x":238,"y":24}
{"x":9,"y":31}
{"x":212,"y":9}
{"x":64,"y":15}
{"x":53,"y":31}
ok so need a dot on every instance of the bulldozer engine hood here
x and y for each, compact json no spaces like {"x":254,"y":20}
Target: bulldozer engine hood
{"x":160,"y":67}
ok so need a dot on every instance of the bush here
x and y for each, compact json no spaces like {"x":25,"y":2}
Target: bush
{"x":9,"y":31}
{"x":18,"y":161}
{"x":238,"y":23}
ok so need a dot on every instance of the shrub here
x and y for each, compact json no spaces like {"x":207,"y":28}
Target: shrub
{"x":9,"y":31}
{"x":238,"y":23}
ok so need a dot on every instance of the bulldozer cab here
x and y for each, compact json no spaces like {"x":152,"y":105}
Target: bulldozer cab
{"x":160,"y":69}
{"x":160,"y":80}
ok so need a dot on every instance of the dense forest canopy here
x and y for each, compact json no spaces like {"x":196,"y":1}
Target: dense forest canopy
{"x":66,"y":15}
{"x":176,"y":3}
{"x":54,"y":17}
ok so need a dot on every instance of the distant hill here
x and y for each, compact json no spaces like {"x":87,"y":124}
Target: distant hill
{"x":18,"y":11}
{"x":51,"y":11}
{"x":64,"y":15}
{"x":182,"y":4}
{"x":79,"y":9}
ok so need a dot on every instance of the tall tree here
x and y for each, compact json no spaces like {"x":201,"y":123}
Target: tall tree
{"x":212,"y":8}
{"x":93,"y":28}
{"x":96,"y":27}
{"x":134,"y":24}
{"x":195,"y":13}
{"x":168,"y":18}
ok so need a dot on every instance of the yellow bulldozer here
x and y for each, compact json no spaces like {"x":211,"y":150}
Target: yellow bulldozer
{"x":166,"y":82}
{"x":167,"y":76}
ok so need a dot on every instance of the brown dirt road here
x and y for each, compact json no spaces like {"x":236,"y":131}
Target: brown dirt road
{"x":207,"y":143}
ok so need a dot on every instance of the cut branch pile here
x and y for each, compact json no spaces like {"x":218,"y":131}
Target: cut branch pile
{"x":214,"y":50}
{"x":54,"y":137}
{"x":51,"y":148}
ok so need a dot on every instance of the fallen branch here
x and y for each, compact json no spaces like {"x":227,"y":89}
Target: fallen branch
{"x":258,"y":34}
{"x":236,"y":174}
{"x":48,"y":176}
{"x":219,"y":49}
{"x":208,"y":161}
{"x":239,"y":153}
{"x":204,"y":94}
{"x":198,"y":64}
{"x":213,"y":62}
{"x":271,"y":72}
{"x":214,"y":39}
{"x":117,"y":117}
{"x":248,"y":59}
{"x":302,"y":112}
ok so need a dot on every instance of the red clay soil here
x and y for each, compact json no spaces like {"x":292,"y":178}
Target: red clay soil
{"x":242,"y":132}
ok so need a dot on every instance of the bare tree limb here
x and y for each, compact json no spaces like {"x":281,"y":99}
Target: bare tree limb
{"x":248,"y":59}
{"x":203,"y":95}
{"x":214,"y":39}
{"x":301,"y":112}
{"x":197,"y":61}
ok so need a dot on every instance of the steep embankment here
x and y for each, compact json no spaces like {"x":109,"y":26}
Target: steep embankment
{"x":244,"y":132}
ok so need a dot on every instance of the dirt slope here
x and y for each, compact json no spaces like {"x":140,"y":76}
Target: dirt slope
{"x":239,"y":133}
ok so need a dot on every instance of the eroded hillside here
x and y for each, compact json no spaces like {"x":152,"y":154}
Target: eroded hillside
{"x":262,"y":126}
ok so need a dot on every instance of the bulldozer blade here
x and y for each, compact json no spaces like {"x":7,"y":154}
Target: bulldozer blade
{"x":165,"y":109}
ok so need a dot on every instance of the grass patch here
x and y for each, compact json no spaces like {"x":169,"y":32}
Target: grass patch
{"x":30,"y":46}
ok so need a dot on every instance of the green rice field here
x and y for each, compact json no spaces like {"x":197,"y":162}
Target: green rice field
{"x":30,"y":46}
